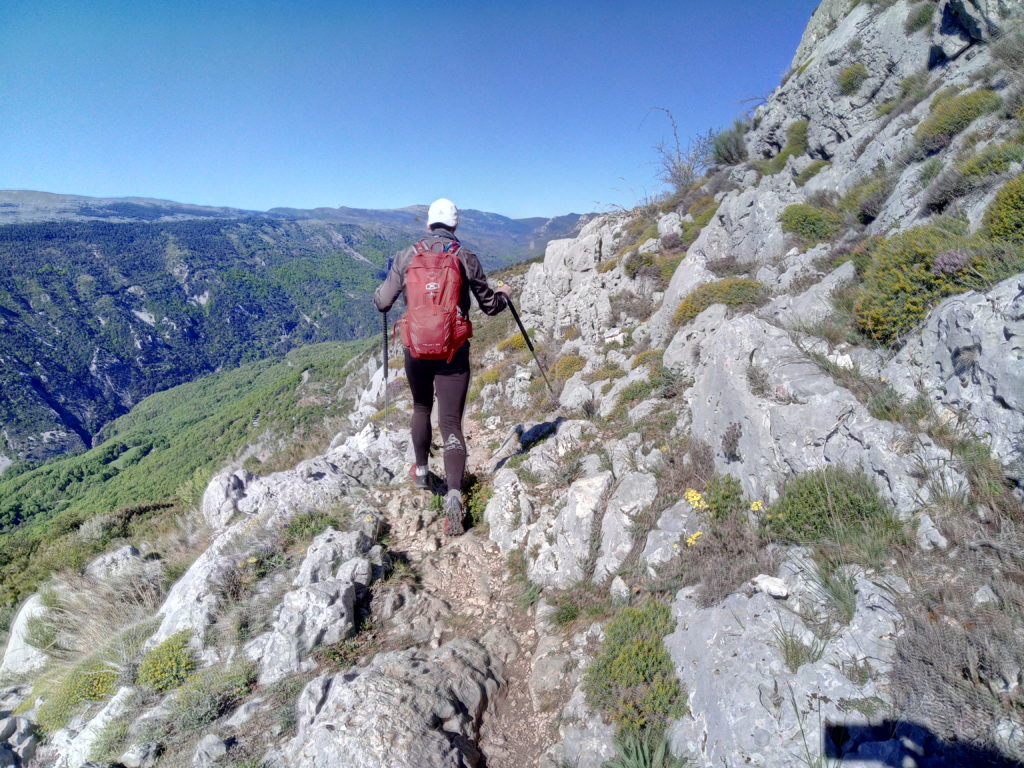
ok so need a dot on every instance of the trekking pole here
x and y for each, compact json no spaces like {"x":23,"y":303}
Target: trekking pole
{"x":526,"y":337}
{"x":386,"y":361}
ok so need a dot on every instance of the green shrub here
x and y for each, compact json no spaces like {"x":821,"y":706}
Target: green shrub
{"x":950,"y":116}
{"x":91,"y":680}
{"x":514,"y":343}
{"x":993,"y":160}
{"x":632,"y":680}
{"x":818,"y":505}
{"x":607,"y":371}
{"x":567,"y":365}
{"x":865,"y":199}
{"x":490,"y":376}
{"x":636,"y":750}
{"x":929,"y":171}
{"x":210,"y":693}
{"x":1004,"y":219}
{"x":796,"y":145}
{"x":728,"y":146}
{"x":476,"y":493}
{"x":733,"y":292}
{"x":907,"y":274}
{"x":307,"y":526}
{"x":852,"y":78}
{"x":724,"y":497}
{"x":811,"y":171}
{"x":651,"y":358}
{"x":920,"y":16}
{"x":169,"y":664}
{"x":638,"y":264}
{"x":812,"y":223}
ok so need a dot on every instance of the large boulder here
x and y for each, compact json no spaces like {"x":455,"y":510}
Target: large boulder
{"x":406,"y":709}
{"x":791,"y":417}
{"x":969,"y":358}
{"x":21,"y":658}
{"x":564,"y":541}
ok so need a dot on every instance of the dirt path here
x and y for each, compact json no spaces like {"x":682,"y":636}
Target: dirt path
{"x":469,"y":574}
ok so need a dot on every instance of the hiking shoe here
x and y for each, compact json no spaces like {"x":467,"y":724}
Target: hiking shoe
{"x":454,"y":515}
{"x":421,"y":481}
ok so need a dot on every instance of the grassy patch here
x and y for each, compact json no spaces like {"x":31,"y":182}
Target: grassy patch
{"x":812,"y":170}
{"x":811,"y":223}
{"x":951,"y":115}
{"x":919,"y":17}
{"x":796,"y":145}
{"x":735,"y":293}
{"x":839,"y":511}
{"x":852,"y":78}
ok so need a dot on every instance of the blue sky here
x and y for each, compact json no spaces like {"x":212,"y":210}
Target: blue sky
{"x":525,"y":109}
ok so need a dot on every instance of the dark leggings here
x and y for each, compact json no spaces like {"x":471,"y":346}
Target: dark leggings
{"x":451,"y":380}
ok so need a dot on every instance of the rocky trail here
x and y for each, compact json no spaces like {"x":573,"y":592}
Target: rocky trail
{"x":473,"y":594}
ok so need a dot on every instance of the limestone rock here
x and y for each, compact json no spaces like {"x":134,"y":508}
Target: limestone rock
{"x":406,"y":709}
{"x":322,"y":612}
{"x":728,"y":658}
{"x":779,"y":434}
{"x":970,"y":358}
{"x":326,"y":552}
{"x":565,"y":542}
{"x":221,"y":497}
{"x":636,"y":492}
{"x":20,"y":658}
{"x":143,"y":755}
{"x":209,"y":751}
{"x":509,"y":511}
{"x":772,"y":586}
{"x":113,"y":563}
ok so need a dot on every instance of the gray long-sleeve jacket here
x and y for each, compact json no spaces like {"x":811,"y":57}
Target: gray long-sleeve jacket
{"x":473,"y":279}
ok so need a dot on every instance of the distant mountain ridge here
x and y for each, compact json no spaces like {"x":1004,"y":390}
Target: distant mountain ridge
{"x":495,"y":237}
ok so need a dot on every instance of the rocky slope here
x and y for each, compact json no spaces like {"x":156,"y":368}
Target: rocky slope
{"x":764,"y":522}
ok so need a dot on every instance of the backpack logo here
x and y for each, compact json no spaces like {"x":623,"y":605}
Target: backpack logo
{"x":433,"y":328}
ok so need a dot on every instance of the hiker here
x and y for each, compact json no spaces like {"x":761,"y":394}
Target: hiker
{"x":437,"y":275}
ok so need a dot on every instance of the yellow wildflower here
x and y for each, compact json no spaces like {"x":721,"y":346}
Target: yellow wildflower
{"x":692,"y":540}
{"x":251,"y":560}
{"x":757,"y":506}
{"x":695,"y":499}
{"x":368,"y":518}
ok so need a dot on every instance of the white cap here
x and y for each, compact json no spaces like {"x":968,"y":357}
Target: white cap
{"x":443,"y":211}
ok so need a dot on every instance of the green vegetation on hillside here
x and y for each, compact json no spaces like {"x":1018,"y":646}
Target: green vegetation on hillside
{"x":97,"y":315}
{"x":161,"y":455}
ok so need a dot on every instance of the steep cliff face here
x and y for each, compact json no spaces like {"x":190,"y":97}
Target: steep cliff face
{"x":771,"y":517}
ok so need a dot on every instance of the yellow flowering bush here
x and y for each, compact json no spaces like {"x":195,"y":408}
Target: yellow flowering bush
{"x":733,"y":292}
{"x":91,"y":680}
{"x":950,"y":116}
{"x":169,"y":664}
{"x":1004,"y":219}
{"x":514,"y":343}
{"x":691,"y":540}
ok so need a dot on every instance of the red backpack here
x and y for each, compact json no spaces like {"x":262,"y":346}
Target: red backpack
{"x":432,"y":327}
